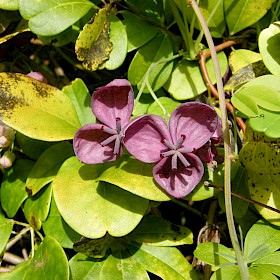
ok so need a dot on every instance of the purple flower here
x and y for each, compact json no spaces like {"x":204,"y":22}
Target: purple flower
{"x":178,"y":170}
{"x":208,"y":151}
{"x":112,"y":105}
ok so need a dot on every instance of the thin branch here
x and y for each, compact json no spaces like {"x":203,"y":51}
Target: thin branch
{"x":208,"y":184}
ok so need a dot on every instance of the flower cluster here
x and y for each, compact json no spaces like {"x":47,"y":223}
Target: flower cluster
{"x":177,"y":148}
{"x":7,"y":136}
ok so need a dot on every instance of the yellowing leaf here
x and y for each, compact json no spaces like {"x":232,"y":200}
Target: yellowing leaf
{"x":93,"y":45}
{"x":37,"y":110}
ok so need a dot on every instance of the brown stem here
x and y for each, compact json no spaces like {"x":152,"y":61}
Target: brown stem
{"x":202,"y":61}
{"x":206,"y":183}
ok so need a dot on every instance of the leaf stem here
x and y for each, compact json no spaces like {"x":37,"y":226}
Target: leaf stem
{"x":244,"y":273}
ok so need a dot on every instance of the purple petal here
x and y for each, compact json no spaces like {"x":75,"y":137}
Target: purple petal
{"x":197,"y":121}
{"x":143,"y":137}
{"x":87,"y":145}
{"x":218,"y":134}
{"x":182,"y":181}
{"x":115,"y":100}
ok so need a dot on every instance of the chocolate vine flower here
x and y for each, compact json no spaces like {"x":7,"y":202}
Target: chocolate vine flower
{"x":178,"y":169}
{"x":112,"y":105}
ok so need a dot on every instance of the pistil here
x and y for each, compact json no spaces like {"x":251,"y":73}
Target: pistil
{"x":116,"y":136}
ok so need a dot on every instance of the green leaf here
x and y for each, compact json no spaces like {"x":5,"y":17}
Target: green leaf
{"x":227,"y":273}
{"x":214,"y":254}
{"x":80,"y":97}
{"x":47,"y":166}
{"x":202,"y":192}
{"x":36,"y":208}
{"x":268,"y":122}
{"x":98,"y":207}
{"x":269,"y":48}
{"x":118,"y":38}
{"x":31,"y":147}
{"x":83,"y":267}
{"x":258,"y":273}
{"x":168,"y":103}
{"x":270,"y":262}
{"x":241,"y":58}
{"x":263,"y":96}
{"x":186,"y":80}
{"x":133,"y":176}
{"x":55,"y":226}
{"x":93,"y":45}
{"x":121,"y":268}
{"x":242,"y":14}
{"x":13,"y":191}
{"x":153,"y":10}
{"x":45,"y":113}
{"x":139,"y":32}
{"x":245,"y":104}
{"x":147,"y":59}
{"x":156,"y":231}
{"x":216,"y":23}
{"x":63,"y":13}
{"x":165,"y":262}
{"x":270,"y":81}
{"x":10,"y":5}
{"x":6,"y":227}
{"x":96,"y":248}
{"x":261,"y":233}
{"x":49,"y":262}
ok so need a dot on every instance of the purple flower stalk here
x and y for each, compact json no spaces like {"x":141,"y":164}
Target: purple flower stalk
{"x":112,"y":105}
{"x":178,"y":170}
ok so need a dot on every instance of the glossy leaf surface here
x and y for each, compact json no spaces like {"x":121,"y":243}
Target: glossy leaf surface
{"x":43,"y":112}
{"x":99,"y":207}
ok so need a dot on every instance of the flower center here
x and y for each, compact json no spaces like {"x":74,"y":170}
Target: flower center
{"x":116,"y":136}
{"x":176,"y":152}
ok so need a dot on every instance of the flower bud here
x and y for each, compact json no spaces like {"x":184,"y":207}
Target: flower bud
{"x":7,"y":135}
{"x":7,"y":159}
{"x":38,"y":76}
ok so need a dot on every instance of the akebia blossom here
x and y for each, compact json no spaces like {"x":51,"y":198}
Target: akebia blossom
{"x":178,"y":169}
{"x":101,"y":142}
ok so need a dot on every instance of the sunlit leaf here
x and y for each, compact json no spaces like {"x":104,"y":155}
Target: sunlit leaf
{"x":168,"y":104}
{"x":269,"y":262}
{"x":55,"y":226}
{"x":99,"y":207}
{"x":134,"y":176}
{"x":186,"y":80}
{"x":118,"y":38}
{"x":48,"y":18}
{"x":214,"y":253}
{"x":35,"y":109}
{"x":242,"y":14}
{"x":93,"y":45}
{"x":146,"y":61}
{"x":269,"y":48}
{"x":47,"y":166}
{"x":262,"y":233}
{"x":165,"y":262}
{"x":11,"y":5}
{"x":241,"y":58}
{"x":49,"y":261}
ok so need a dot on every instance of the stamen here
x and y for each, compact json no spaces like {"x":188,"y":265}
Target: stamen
{"x":174,"y":162}
{"x":109,"y":140}
{"x":168,"y":144}
{"x":117,"y":146}
{"x":185,"y":150}
{"x":183,"y":159}
{"x":108,"y":129}
{"x":180,"y":141}
{"x":168,"y":153}
{"x":118,"y":124}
